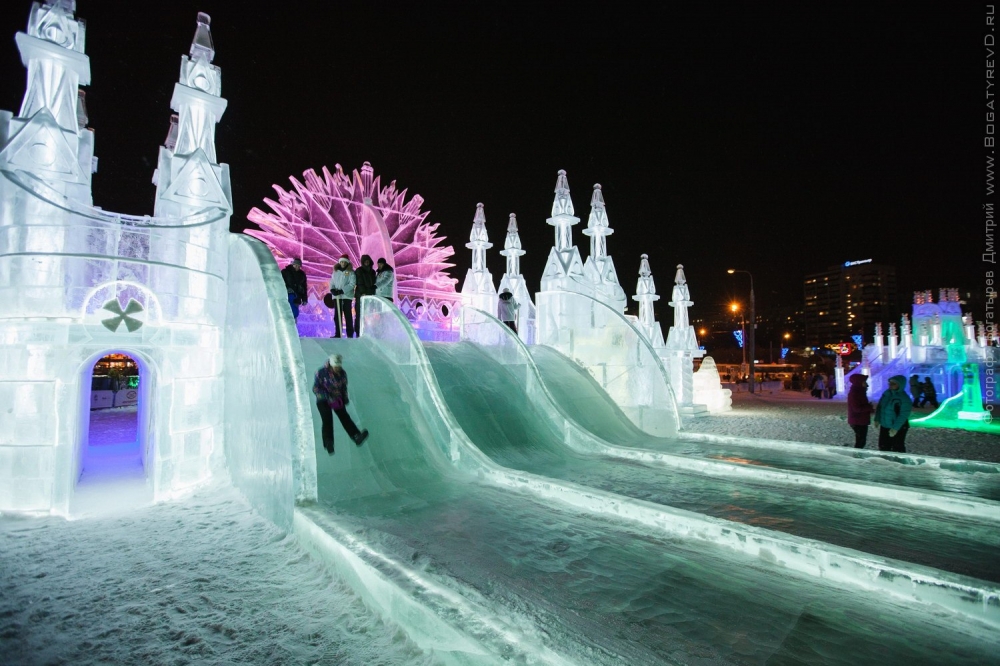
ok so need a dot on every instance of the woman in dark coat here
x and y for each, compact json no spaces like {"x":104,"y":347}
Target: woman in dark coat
{"x":859,"y":409}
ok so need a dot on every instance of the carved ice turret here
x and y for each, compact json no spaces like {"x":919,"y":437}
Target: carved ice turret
{"x":600,"y":267}
{"x":49,"y":138}
{"x":681,"y":335}
{"x":478,"y":289}
{"x":564,"y":267}
{"x":512,"y":247}
{"x":682,"y":345}
{"x":188,"y":178}
{"x":645,"y":294}
{"x":597,"y":225}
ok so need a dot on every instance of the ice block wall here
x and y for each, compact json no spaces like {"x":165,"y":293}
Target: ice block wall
{"x":268,"y":427}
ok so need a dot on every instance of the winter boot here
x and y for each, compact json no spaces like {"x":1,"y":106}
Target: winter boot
{"x":361,"y":437}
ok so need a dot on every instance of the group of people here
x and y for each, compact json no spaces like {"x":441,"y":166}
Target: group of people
{"x":891,"y":414}
{"x":347,"y":284}
{"x":822,"y":386}
{"x":923,"y":392}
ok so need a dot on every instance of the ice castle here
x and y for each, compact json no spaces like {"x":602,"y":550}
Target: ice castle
{"x":78,"y":282}
{"x":939,"y":343}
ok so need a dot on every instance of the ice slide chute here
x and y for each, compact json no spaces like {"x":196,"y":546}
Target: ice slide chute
{"x":615,"y":353}
{"x":585,"y":399}
{"x":800,"y":554}
{"x":525,"y":430}
{"x":582,"y":399}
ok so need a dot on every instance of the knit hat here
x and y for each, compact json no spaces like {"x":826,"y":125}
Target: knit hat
{"x":344,"y":257}
{"x":297,"y":261}
{"x":336,"y":360}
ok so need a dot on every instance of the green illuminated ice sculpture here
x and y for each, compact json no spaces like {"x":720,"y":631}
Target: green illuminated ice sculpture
{"x":963,"y":410}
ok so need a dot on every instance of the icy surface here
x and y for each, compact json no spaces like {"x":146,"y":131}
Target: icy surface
{"x":795,"y":416}
{"x":492,"y":408}
{"x":204,"y":581}
{"x":594,"y":589}
{"x":780,"y":420}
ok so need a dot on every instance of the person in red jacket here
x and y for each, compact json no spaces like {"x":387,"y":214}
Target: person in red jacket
{"x":859,"y":409}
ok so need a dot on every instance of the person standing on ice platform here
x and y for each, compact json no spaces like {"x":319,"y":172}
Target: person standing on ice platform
{"x":365,"y":286}
{"x":859,"y":410}
{"x":384,"y":278}
{"x":342,"y":284}
{"x":507,"y":309}
{"x":330,"y":387}
{"x":295,"y":285}
{"x":892,"y":416}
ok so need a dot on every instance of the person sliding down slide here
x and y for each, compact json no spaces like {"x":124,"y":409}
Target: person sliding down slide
{"x":330,"y":387}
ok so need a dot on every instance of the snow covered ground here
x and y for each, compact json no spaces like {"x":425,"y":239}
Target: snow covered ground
{"x":206,"y":580}
{"x":202,"y":581}
{"x":799,"y":417}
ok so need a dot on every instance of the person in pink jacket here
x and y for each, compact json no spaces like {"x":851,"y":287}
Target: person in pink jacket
{"x":859,"y":409}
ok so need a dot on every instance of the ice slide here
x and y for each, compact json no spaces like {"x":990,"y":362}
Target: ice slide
{"x":523,"y":564}
{"x":582,"y":399}
{"x":488,"y":390}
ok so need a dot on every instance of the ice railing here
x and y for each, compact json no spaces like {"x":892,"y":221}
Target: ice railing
{"x":383,"y":321}
{"x":615,"y":353}
{"x":41,"y":190}
{"x":74,"y":249}
{"x":268,"y":424}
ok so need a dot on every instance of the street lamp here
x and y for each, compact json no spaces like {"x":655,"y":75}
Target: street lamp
{"x":753,"y":323}
{"x":735,"y":307}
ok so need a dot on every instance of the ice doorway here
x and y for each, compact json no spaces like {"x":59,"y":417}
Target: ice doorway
{"x":113,"y":452}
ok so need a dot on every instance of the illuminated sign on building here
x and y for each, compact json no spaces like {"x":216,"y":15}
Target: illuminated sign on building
{"x":858,"y":262}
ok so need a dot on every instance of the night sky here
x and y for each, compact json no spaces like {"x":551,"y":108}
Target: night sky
{"x":778,"y":138}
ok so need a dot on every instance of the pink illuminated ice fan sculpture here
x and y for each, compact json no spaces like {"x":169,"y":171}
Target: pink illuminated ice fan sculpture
{"x":327,"y":215}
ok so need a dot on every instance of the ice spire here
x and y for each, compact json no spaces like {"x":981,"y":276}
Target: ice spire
{"x":479,"y":240}
{"x":600,"y":268}
{"x":197,"y":96}
{"x":188,"y":176}
{"x":512,"y":247}
{"x":681,"y":335}
{"x":478,"y":290}
{"x":52,"y":50}
{"x":645,"y":294}
{"x":597,"y":225}
{"x":49,"y":137}
{"x":563,"y":217}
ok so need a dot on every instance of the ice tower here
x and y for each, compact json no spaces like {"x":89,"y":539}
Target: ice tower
{"x":564,"y":268}
{"x":600,"y":267}
{"x":77,"y":282}
{"x":645,"y":294}
{"x":478,"y":290}
{"x":513,"y":280}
